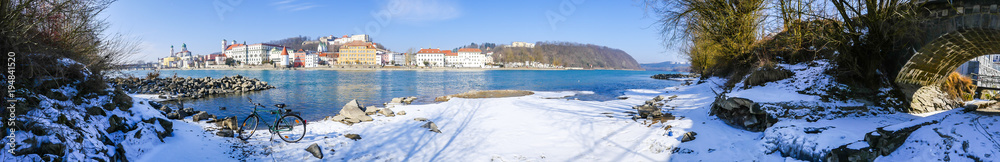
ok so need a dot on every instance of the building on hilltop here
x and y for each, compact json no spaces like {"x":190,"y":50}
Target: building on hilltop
{"x":522,"y":44}
{"x":357,"y":52}
{"x":430,"y":57}
{"x":346,"y":39}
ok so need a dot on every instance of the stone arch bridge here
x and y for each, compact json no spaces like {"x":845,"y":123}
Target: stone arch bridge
{"x":958,"y":31}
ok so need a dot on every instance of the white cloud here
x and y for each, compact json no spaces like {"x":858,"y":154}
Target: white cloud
{"x":420,"y":11}
{"x":293,"y":5}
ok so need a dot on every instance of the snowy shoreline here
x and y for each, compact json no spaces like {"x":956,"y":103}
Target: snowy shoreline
{"x":546,"y":127}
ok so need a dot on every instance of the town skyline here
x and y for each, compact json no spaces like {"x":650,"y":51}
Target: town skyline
{"x":397,"y":24}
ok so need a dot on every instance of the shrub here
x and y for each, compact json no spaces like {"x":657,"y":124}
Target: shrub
{"x":766,"y":74}
{"x":722,"y":32}
{"x":42,"y":31}
{"x":153,"y":75}
{"x":959,"y":87}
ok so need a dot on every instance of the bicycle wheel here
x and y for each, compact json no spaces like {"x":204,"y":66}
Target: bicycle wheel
{"x":247,"y":128}
{"x":291,"y":128}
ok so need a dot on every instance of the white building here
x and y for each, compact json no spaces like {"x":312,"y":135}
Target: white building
{"x":220,"y":60}
{"x":466,"y":57}
{"x":346,"y":39}
{"x":254,"y":54}
{"x":489,"y":57}
{"x":186,"y":59}
{"x":310,"y":60}
{"x":398,"y":59}
{"x":522,"y":44}
{"x":431,"y":57}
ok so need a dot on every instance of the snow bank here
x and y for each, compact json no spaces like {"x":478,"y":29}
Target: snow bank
{"x":547,"y":127}
{"x":528,"y":128}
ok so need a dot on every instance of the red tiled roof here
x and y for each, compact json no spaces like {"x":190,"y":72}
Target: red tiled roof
{"x":234,"y":46}
{"x":429,"y":51}
{"x":469,"y":50}
{"x":449,"y":53}
{"x":284,"y":51}
{"x":230,"y":47}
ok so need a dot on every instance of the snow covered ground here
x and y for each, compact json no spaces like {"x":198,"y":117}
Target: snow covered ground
{"x":540,"y":128}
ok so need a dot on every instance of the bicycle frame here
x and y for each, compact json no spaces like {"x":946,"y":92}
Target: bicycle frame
{"x":277,"y":115}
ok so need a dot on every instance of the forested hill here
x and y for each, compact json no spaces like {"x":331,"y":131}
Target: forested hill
{"x":569,"y":55}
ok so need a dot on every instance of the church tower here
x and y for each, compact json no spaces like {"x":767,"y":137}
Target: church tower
{"x":284,"y":57}
{"x":172,"y":51}
{"x":223,"y":49}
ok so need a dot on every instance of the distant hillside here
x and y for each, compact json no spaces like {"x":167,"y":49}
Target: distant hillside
{"x":291,"y":42}
{"x":668,"y":66}
{"x":569,"y":55}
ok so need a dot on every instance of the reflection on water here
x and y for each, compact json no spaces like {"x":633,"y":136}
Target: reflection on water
{"x":320,"y":93}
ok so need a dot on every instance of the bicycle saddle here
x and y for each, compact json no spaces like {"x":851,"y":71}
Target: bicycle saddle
{"x":279,"y":105}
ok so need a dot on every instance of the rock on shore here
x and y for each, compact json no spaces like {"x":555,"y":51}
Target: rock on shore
{"x":191,"y":87}
{"x":671,"y":76}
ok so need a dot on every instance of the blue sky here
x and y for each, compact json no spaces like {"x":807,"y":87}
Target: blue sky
{"x":397,"y":24}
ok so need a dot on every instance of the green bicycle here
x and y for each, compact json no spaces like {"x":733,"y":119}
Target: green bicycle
{"x":290,"y":127}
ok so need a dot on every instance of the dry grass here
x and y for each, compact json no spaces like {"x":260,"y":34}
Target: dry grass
{"x":959,"y":87}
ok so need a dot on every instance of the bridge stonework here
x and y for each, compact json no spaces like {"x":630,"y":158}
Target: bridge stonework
{"x":956,"y":34}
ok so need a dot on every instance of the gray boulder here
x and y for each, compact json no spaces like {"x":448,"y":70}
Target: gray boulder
{"x":397,"y":100}
{"x":227,"y":123}
{"x":315,"y":150}
{"x":202,"y":115}
{"x":430,"y":125}
{"x":658,"y":98}
{"x":401,"y":113}
{"x":352,"y":120}
{"x":409,"y":100}
{"x":420,"y":119}
{"x":386,"y":112}
{"x":354,"y":137}
{"x":689,"y":136}
{"x":366,"y":118}
{"x":225,"y":133}
{"x":353,"y":110}
{"x":173,"y":115}
{"x":115,"y":123}
{"x":165,"y":109}
{"x":371,"y":110}
{"x":95,"y":111}
{"x":337,"y":118}
{"x":183,"y":113}
{"x":168,"y":128}
{"x":742,"y":113}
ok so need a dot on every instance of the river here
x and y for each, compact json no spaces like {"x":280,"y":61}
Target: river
{"x":319,"y":93}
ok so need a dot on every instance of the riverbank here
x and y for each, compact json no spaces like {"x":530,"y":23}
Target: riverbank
{"x":545,"y":126}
